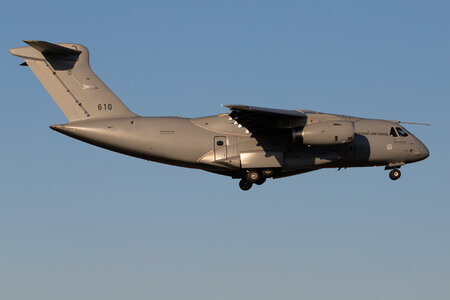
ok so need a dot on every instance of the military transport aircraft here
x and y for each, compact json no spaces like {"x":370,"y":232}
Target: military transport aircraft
{"x":249,"y":143}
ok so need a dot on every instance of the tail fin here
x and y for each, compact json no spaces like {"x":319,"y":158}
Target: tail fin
{"x":64,"y":71}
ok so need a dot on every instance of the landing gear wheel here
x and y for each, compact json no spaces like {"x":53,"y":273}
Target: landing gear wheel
{"x":245,"y":185}
{"x":267,"y":172}
{"x":261,"y":181}
{"x":395,"y":174}
{"x":253,"y":176}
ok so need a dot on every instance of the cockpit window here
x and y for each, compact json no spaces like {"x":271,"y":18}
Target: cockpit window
{"x":393,"y":133}
{"x":401,"y":131}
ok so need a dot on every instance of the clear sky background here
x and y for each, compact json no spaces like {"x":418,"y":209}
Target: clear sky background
{"x":79,"y":222}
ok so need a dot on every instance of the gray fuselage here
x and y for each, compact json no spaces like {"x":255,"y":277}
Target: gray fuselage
{"x":217,"y":144}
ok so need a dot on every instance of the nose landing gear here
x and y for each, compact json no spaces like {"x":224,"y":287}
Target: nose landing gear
{"x":395,"y":174}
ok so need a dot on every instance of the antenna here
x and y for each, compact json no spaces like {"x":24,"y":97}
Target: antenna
{"x":414,"y":123}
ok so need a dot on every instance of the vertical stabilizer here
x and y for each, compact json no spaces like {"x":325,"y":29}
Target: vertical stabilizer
{"x":64,"y":71}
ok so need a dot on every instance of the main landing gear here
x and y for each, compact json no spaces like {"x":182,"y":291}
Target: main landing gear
{"x":245,"y":185}
{"x":254,"y":176}
{"x":395,"y":174}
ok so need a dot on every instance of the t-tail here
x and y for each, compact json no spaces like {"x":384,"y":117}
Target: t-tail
{"x":64,"y":71}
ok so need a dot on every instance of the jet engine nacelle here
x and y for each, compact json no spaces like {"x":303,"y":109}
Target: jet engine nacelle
{"x":324,"y":133}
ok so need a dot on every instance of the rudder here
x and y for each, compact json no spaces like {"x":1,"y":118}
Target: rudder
{"x":64,"y":71}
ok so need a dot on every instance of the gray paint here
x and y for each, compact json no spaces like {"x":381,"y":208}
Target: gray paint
{"x":290,"y":142}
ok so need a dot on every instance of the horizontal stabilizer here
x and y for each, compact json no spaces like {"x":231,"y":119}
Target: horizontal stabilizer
{"x":49,"y":48}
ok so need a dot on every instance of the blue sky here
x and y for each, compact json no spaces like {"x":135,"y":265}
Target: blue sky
{"x":79,"y":222}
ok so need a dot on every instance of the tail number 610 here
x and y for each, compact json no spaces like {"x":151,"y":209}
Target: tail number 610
{"x":104,"y":107}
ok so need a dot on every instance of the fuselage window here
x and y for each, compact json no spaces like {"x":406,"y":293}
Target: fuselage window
{"x":393,"y":133}
{"x":219,"y":143}
{"x":401,"y":132}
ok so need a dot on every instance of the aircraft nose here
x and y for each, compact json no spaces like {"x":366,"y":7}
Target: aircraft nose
{"x":423,"y":150}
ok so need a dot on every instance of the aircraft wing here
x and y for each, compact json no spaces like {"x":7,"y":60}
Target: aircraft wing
{"x":258,"y":119}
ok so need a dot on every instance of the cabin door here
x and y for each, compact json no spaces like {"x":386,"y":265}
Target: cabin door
{"x":220,"y":147}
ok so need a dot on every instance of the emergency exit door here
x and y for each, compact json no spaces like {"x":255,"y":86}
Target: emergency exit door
{"x":220,"y":147}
